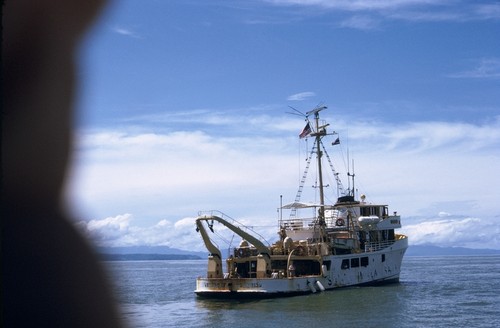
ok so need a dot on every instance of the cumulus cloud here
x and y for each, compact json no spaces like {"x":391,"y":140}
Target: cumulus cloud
{"x":444,"y":230}
{"x":111,"y":227}
{"x":120,"y":230}
{"x":244,"y":169}
{"x":448,"y":230}
{"x":124,"y":230}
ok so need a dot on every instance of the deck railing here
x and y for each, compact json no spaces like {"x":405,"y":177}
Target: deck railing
{"x":377,"y":246}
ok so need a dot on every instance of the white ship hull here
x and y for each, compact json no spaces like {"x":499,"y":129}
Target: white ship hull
{"x":380,"y":267}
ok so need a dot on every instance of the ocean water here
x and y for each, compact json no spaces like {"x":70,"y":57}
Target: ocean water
{"x":450,"y":291}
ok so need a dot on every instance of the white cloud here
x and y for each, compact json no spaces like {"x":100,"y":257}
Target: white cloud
{"x":369,"y":14}
{"x":444,"y":230}
{"x":109,"y":230}
{"x":186,"y":171}
{"x":427,"y":136}
{"x":360,"y":22}
{"x":126,"y":32}
{"x":301,"y":96}
{"x":120,"y":231}
{"x":417,"y":168}
{"x":358,"y":5}
{"x":486,"y":68}
{"x":470,"y":232}
{"x":113,"y":225}
{"x":488,"y":10}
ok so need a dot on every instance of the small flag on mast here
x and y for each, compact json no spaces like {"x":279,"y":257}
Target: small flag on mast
{"x":305,"y":132}
{"x":336,"y":142}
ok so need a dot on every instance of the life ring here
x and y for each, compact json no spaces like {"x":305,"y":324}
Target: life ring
{"x":340,"y":222}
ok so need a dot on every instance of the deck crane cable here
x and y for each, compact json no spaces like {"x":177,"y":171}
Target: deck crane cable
{"x":340,"y":187}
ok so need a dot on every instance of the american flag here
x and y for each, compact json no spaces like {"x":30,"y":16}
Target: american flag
{"x":305,"y":131}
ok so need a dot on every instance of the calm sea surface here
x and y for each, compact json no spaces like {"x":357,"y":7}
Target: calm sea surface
{"x":433,"y":292}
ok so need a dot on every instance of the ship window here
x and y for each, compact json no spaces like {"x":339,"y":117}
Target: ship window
{"x":383,"y":257}
{"x":391,"y":234}
{"x":364,"y":261}
{"x":354,"y":263}
{"x":328,"y":264}
{"x":373,"y":210}
{"x":345,"y":264}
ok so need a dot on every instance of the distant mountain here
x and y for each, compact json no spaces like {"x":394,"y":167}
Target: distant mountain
{"x":156,"y":250}
{"x":429,"y":250}
{"x":147,"y":257}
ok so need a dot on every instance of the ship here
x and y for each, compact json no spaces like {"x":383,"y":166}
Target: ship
{"x":350,"y":242}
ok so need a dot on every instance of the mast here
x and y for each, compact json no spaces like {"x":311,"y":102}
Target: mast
{"x":318,"y":134}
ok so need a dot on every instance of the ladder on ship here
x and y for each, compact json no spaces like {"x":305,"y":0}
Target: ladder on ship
{"x":340,"y":188}
{"x":293,"y":212}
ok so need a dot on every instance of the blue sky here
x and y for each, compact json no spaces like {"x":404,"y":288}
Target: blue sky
{"x":183,"y":107}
